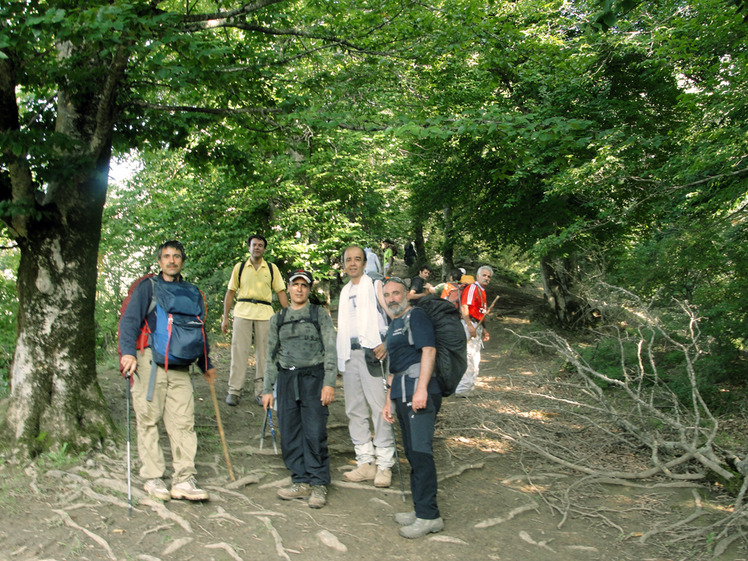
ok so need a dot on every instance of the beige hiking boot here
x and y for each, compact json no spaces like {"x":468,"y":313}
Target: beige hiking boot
{"x":364,"y":472}
{"x":318,"y":498}
{"x":156,"y":488}
{"x":383,"y":478}
{"x":295,"y":491}
{"x":189,"y":490}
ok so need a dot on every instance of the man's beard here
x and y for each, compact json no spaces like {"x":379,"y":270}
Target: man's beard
{"x":397,"y":309}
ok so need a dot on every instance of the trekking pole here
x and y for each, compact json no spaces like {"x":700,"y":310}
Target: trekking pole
{"x":220,"y":429}
{"x":262,"y":432}
{"x":129,"y":474}
{"x":394,"y":439}
{"x":268,"y":417}
{"x":272,"y":430}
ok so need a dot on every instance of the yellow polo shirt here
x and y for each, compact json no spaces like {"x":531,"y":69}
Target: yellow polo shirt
{"x":255,"y":284}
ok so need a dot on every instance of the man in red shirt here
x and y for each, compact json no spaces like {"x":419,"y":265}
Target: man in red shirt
{"x":473,"y":307}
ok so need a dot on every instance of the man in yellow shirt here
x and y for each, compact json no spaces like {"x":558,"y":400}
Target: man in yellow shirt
{"x":253,"y":283}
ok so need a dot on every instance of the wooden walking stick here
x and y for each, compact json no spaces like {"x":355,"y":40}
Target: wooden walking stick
{"x":487,"y":312}
{"x":220,"y":430}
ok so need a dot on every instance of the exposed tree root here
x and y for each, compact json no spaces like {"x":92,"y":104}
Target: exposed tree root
{"x":227,"y":548}
{"x":249,"y":479}
{"x":276,"y":536}
{"x":223,"y":515}
{"x":514,"y":512}
{"x":98,"y":539}
{"x":175,"y":546}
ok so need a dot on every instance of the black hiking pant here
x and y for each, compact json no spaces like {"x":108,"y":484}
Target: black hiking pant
{"x":418,"y":437}
{"x":303,"y":424}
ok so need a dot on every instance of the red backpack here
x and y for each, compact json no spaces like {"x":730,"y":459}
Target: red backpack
{"x":143,"y":338}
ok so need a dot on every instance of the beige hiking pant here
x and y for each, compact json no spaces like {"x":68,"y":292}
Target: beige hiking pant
{"x":241,"y":347}
{"x":172,"y":402}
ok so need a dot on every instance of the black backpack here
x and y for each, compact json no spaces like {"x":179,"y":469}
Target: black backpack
{"x":451,"y":343}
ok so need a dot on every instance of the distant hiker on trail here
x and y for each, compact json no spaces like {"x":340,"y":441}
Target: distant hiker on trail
{"x":253,"y":282}
{"x":473,"y":307}
{"x":419,"y":285}
{"x":360,"y":331}
{"x":372,"y":262}
{"x":388,"y":256}
{"x":161,"y":385}
{"x":416,"y":398}
{"x":303,"y":360}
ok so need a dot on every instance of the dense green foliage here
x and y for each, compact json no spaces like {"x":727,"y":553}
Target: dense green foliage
{"x":607,"y":134}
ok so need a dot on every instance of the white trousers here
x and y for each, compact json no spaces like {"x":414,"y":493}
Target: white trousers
{"x":364,"y":402}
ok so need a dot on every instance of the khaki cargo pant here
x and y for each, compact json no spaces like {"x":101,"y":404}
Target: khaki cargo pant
{"x":173,"y":402}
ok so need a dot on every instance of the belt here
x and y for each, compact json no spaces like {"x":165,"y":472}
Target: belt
{"x":355,"y":345}
{"x":254,"y":301}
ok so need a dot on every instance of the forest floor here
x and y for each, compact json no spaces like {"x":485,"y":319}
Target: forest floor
{"x":498,"y":500}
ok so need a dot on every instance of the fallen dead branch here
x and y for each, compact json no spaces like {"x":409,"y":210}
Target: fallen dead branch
{"x":603,"y":416}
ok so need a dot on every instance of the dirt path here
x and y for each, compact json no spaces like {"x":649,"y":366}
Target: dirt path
{"x":498,"y":502}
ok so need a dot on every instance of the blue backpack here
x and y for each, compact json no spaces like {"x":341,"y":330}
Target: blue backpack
{"x":179,"y":336}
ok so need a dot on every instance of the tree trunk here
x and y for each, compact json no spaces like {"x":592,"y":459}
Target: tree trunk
{"x":561,"y":276}
{"x":55,"y":398}
{"x":420,"y":244}
{"x":448,"y":249}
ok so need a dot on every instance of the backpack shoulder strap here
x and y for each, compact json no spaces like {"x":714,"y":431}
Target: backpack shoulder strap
{"x":314,"y":315}
{"x":152,"y":305}
{"x":273,"y":267}
{"x":281,"y":320}
{"x":239,"y":279}
{"x":406,"y":326}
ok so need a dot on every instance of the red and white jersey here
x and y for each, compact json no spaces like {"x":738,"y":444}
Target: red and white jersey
{"x":474,"y":297}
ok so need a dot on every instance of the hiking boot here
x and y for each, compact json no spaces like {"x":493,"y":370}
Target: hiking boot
{"x":189,"y":490}
{"x":232,"y":400}
{"x":383,"y":478}
{"x":295,"y":491}
{"x":405,"y":518}
{"x":156,"y":488}
{"x":364,"y":472}
{"x":318,"y":498}
{"x":421,"y":527}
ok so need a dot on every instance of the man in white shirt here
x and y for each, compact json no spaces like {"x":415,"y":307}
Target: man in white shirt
{"x":360,"y":328}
